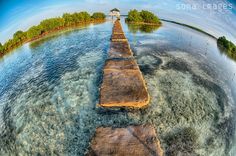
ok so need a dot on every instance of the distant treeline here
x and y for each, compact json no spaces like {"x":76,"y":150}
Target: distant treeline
{"x":227,"y":46}
{"x":189,"y":26}
{"x":134,"y":16}
{"x":48,"y":25}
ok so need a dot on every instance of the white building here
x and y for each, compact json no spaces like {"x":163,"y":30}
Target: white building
{"x":115,"y":12}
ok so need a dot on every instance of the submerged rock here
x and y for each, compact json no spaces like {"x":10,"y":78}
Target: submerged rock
{"x":133,"y":140}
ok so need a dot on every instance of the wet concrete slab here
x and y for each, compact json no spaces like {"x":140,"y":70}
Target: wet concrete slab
{"x":121,"y":64}
{"x":117,"y":32}
{"x":129,"y":141}
{"x":123,"y":88}
{"x":120,"y":50}
{"x":118,"y":38}
{"x":117,"y":29}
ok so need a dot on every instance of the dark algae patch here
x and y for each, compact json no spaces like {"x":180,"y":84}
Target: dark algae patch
{"x":181,"y":65}
{"x":148,"y":63}
{"x":223,"y":127}
{"x":177,"y":64}
{"x":182,"y":142}
{"x":226,"y":130}
{"x":8,"y":136}
{"x":221,"y":95}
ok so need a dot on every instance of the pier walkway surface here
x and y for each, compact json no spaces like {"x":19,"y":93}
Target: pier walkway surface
{"x":130,"y":141}
{"x":123,"y":84}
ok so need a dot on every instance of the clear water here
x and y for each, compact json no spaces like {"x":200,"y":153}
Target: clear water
{"x":49,"y":91}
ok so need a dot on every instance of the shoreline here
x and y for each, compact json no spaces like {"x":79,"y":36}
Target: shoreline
{"x":48,"y":33}
{"x":189,"y":26}
{"x":60,"y":29}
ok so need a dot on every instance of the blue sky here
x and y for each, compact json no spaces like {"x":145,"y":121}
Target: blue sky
{"x":217,"y":20}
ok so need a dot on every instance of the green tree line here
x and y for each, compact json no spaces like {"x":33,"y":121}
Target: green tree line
{"x":144,"y":16}
{"x":227,"y":46}
{"x":48,"y":25}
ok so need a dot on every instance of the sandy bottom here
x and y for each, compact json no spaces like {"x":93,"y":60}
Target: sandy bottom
{"x":190,"y":109}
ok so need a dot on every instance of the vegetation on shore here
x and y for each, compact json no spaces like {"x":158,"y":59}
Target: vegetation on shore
{"x":189,"y":26}
{"x":50,"y":25}
{"x":142,"y":17}
{"x":227,"y":46}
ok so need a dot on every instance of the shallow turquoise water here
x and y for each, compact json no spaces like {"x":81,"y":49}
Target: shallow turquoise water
{"x":49,"y":91}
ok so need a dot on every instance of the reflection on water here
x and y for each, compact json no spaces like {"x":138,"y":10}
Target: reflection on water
{"x":49,"y":92}
{"x":143,"y":28}
{"x":231,"y":55}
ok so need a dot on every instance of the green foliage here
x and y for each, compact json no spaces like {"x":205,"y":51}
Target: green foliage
{"x":34,"y":31}
{"x":182,"y":142}
{"x":1,"y":48}
{"x":51,"y":24}
{"x":149,"y":17}
{"x":48,"y":25}
{"x":227,"y":46}
{"x":8,"y":45}
{"x":142,"y":17}
{"x":18,"y":34}
{"x":68,"y":19}
{"x":86,"y":16}
{"x":75,"y":18}
{"x":19,"y":37}
{"x":134,"y":16}
{"x":99,"y":15}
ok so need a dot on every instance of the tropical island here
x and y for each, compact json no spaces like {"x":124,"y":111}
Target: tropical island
{"x":227,"y":47}
{"x":142,"y":17}
{"x":50,"y":25}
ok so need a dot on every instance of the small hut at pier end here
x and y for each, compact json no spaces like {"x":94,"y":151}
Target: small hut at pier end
{"x":115,"y":12}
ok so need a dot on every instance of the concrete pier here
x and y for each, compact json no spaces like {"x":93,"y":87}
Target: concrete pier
{"x":123,"y":84}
